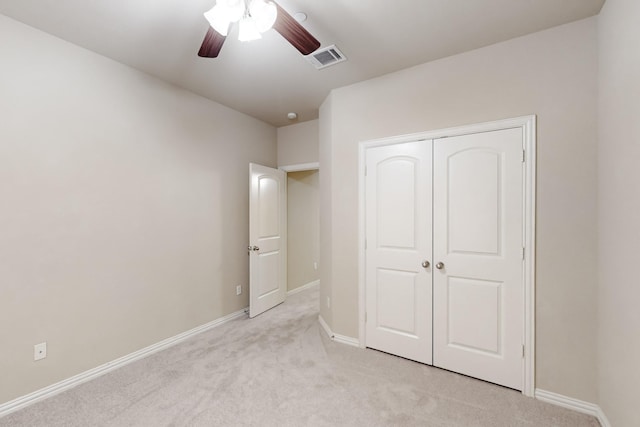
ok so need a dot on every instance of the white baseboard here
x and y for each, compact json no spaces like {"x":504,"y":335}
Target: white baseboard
{"x":59,"y":387}
{"x":573,"y":404}
{"x":342,"y":339}
{"x":304,"y":287}
{"x":325,"y":327}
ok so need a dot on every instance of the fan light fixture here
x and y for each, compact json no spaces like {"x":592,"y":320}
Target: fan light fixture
{"x":255,"y":16}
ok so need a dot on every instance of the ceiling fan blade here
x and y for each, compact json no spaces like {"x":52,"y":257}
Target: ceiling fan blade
{"x":295,"y":33}
{"x":212,"y":44}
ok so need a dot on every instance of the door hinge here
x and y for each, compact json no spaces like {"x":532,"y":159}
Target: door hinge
{"x":365,"y":171}
{"x":523,"y":252}
{"x":523,"y":351}
{"x":523,"y":156}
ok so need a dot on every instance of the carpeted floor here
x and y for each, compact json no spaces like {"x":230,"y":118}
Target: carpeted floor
{"x":280,"y":369}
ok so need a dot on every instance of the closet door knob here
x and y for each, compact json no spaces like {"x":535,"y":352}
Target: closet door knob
{"x":425,"y":264}
{"x":440,"y":266}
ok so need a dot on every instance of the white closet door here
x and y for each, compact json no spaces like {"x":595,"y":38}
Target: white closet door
{"x":478,"y":237}
{"x":398,"y":230}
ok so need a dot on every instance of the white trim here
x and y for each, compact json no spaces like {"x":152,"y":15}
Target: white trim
{"x":59,"y":387}
{"x":300,"y":167}
{"x":602,"y":418}
{"x":325,"y":327}
{"x":303,"y":287}
{"x":529,"y":336}
{"x":362,"y":303}
{"x":528,"y":125}
{"x":342,"y":339}
{"x":573,"y":404}
{"x":516,"y":122}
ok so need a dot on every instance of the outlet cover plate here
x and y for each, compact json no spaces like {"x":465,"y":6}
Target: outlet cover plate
{"x":40,"y":351}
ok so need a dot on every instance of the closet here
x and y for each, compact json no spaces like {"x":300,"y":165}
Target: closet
{"x":444,"y":226}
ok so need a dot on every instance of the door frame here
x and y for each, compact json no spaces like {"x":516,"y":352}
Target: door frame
{"x":528,"y":126}
{"x":300,"y":167}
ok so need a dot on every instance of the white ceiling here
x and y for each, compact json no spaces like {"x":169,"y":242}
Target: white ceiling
{"x":268,"y":78}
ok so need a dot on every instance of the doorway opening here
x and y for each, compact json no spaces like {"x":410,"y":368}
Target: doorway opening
{"x":303,"y":230}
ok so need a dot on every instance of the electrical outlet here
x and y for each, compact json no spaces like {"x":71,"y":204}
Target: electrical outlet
{"x":40,"y":351}
{"x":328,"y":302}
{"x":315,"y":265}
{"x":238,"y":289}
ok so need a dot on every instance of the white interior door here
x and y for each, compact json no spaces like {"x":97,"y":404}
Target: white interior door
{"x":478,"y":238}
{"x":267,"y":238}
{"x":398,"y":230}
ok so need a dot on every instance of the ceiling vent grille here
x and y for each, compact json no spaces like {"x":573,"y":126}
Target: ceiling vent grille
{"x":323,"y":58}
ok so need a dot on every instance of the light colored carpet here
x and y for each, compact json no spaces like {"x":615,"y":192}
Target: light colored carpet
{"x":280,"y":369}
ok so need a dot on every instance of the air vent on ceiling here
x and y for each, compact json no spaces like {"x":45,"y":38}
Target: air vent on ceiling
{"x":322,"y":58}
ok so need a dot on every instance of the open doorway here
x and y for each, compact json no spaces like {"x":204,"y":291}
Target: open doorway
{"x":303,"y":229}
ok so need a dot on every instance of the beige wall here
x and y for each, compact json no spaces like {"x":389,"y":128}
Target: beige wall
{"x":325,"y":137}
{"x":303,"y":228}
{"x":124,"y":213}
{"x":552,"y":74}
{"x":619,"y":208}
{"x":298,"y":143}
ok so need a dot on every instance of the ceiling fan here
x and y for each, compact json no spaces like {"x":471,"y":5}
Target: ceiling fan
{"x":255,"y":17}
